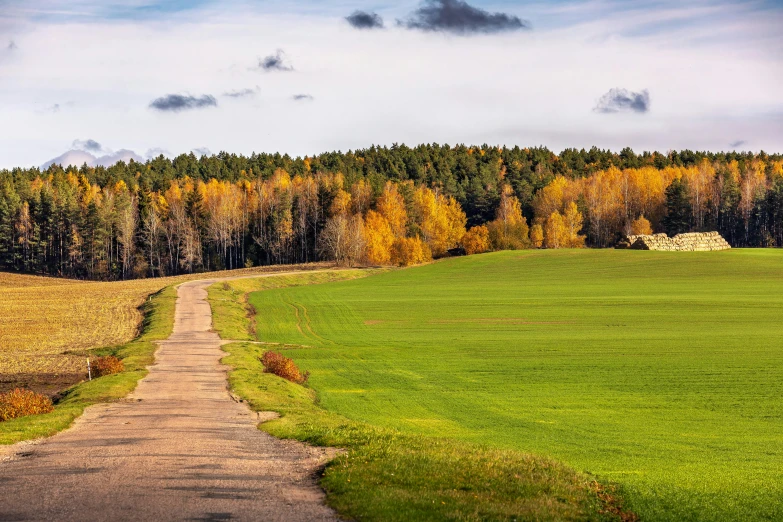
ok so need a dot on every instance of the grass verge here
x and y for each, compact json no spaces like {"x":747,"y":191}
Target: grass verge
{"x":387,"y":475}
{"x":136,"y":355}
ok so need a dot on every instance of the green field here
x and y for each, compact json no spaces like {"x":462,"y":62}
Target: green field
{"x":662,"y":372}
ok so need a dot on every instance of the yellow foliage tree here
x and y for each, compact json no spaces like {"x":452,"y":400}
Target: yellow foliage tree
{"x":391,"y":206}
{"x":554,"y":230}
{"x":378,"y":237}
{"x":341,"y":203}
{"x":440,"y":219}
{"x":509,"y":230}
{"x":641,"y":226}
{"x":572,"y":220}
{"x":476,"y":240}
{"x":536,"y":236}
{"x":410,"y":251}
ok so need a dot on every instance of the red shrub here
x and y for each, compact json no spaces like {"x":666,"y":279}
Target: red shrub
{"x":284,"y":367}
{"x":106,"y":366}
{"x":20,"y":403}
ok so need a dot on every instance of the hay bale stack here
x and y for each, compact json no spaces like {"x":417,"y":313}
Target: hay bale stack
{"x":690,"y":242}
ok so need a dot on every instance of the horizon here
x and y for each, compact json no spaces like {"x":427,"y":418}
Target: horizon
{"x":122,"y":156}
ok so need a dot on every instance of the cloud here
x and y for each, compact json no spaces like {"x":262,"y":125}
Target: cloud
{"x":88,"y":145}
{"x":303,"y":97}
{"x":53,"y":108}
{"x":202,"y":151}
{"x":737,"y":144}
{"x":180,"y":102}
{"x":157,"y":152}
{"x":115,"y":157}
{"x":623,"y":100}
{"x":365,"y":20}
{"x":243,"y":93}
{"x":12,"y":46}
{"x":458,"y":17}
{"x":275,"y":62}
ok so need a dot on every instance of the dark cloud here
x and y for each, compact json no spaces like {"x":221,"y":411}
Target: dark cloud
{"x":623,"y":100}
{"x":365,"y":20}
{"x":275,"y":62}
{"x":180,"y":102}
{"x":458,"y":17}
{"x":202,"y":151}
{"x":303,"y":97}
{"x":12,"y":46}
{"x":88,"y":145}
{"x":243,"y":93}
{"x":54,"y":108}
{"x":737,"y":144}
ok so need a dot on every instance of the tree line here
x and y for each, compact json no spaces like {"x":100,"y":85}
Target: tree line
{"x":395,"y":205}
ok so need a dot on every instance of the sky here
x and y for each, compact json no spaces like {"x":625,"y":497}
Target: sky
{"x":97,"y":81}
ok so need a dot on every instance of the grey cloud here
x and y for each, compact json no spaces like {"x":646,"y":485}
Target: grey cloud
{"x":458,"y":17}
{"x":737,"y":144}
{"x":53,"y":108}
{"x":243,"y":93}
{"x":202,"y":151}
{"x":88,"y":145}
{"x":365,"y":20}
{"x":623,"y":100}
{"x":303,"y":97}
{"x":275,"y":62}
{"x":156,"y":152}
{"x":121,"y":155}
{"x":12,"y":46}
{"x":180,"y":102}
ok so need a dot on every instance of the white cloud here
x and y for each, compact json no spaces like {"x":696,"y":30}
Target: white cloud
{"x":392,"y":86}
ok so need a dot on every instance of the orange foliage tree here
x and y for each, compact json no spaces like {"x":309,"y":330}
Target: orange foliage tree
{"x":476,"y":240}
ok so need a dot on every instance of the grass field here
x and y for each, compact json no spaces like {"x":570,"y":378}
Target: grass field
{"x":662,"y":372}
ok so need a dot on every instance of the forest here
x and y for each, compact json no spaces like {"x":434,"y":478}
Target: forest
{"x":378,"y":206}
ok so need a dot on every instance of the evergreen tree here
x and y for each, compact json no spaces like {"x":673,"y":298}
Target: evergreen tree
{"x":678,"y":208}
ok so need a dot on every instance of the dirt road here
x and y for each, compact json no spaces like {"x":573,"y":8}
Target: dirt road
{"x":179,"y":448}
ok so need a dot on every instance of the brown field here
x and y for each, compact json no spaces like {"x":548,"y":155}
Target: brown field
{"x":45,"y":323}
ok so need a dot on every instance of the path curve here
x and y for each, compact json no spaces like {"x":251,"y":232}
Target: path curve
{"x":178,"y":448}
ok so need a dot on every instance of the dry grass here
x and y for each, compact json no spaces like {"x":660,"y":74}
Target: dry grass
{"x":282,"y":366}
{"x":43,"y":320}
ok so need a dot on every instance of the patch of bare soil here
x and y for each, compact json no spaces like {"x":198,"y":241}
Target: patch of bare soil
{"x":50,"y":384}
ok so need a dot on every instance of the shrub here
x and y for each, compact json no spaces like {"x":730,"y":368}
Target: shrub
{"x":20,"y":403}
{"x":284,"y":367}
{"x":476,"y":240}
{"x":108,"y":365}
{"x":408,"y":251}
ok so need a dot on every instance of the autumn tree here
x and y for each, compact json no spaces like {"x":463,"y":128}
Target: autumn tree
{"x":476,"y":240}
{"x":391,"y":206}
{"x":379,"y":238}
{"x":554,"y":231}
{"x":509,"y":230}
{"x":342,"y":240}
{"x":410,"y":251}
{"x":536,"y":236}
{"x":641,"y":227}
